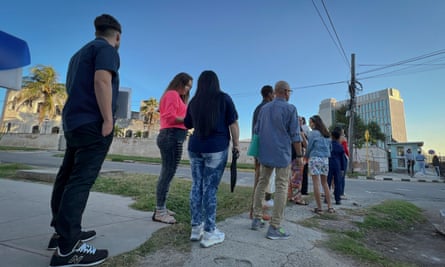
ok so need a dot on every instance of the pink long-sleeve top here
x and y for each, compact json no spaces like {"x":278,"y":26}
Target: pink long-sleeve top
{"x":171,"y":107}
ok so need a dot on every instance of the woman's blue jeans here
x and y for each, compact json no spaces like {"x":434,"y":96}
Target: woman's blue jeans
{"x":170,"y":142}
{"x":207,"y":170}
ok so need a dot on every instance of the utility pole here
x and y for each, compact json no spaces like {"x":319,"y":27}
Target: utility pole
{"x":351,"y":138}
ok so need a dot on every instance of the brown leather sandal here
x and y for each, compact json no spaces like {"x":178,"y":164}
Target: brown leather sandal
{"x":171,"y":213}
{"x":163,"y":217}
{"x":317,"y":211}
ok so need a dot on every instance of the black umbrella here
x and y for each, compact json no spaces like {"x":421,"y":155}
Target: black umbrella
{"x":233,"y":173}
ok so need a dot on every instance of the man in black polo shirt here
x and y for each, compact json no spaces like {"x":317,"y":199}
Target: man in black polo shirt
{"x":92,"y":85}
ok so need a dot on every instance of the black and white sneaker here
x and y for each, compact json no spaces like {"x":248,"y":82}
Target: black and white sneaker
{"x":84,"y":237}
{"x":81,"y":255}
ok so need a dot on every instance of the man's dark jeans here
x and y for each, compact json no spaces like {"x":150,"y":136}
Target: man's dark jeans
{"x":85,"y":153}
{"x":170,"y":142}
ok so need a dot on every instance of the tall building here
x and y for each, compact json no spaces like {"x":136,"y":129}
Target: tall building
{"x":384,"y":107}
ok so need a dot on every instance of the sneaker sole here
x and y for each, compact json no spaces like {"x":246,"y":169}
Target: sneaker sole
{"x":86,"y":264}
{"x":193,"y":238}
{"x":278,"y":237}
{"x":204,"y":245}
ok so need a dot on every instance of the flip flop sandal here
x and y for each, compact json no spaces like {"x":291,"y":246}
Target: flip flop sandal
{"x":331,"y":210}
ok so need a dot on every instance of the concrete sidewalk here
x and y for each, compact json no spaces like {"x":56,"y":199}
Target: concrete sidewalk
{"x":25,"y":218}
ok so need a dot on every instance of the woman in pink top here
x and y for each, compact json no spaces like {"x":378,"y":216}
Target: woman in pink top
{"x":172,"y":108}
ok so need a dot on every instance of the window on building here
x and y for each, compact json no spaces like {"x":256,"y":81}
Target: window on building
{"x":28,"y":103}
{"x":8,"y":127}
{"x":58,"y":110}
{"x":35,"y":129}
{"x":39,"y":107}
{"x":128,"y":133}
{"x":13,"y":103}
{"x":400,"y":151}
{"x":145,"y":134}
{"x":55,"y":130}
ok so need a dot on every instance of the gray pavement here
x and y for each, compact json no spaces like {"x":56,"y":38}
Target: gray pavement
{"x":25,"y":217}
{"x":25,"y":231}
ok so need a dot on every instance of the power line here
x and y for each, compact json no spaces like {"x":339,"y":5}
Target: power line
{"x":336,"y":35}
{"x":403,"y":62}
{"x":329,"y":32}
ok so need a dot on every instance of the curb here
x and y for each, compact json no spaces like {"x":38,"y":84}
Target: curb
{"x":396,"y":179}
{"x":49,"y":175}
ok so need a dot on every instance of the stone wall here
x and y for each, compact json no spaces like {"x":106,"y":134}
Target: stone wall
{"x":143,"y":147}
{"x":146,"y":147}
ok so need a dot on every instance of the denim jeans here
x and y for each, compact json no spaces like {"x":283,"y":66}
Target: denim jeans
{"x":170,"y":142}
{"x":207,"y":170}
{"x":85,"y":153}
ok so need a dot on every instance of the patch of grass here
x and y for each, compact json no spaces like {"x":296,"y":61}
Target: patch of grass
{"x":142,"y":188}
{"x":352,"y":247}
{"x":310,"y":223}
{"x":8,"y":170}
{"x":6,"y":148}
{"x":392,"y":215}
{"x":122,"y":158}
{"x":389,"y":216}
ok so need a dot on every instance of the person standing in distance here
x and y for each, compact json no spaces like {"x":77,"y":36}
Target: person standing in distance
{"x":410,"y":162}
{"x":92,"y":85}
{"x":172,"y":108}
{"x":420,"y":161}
{"x":213,"y":116}
{"x":277,"y":127}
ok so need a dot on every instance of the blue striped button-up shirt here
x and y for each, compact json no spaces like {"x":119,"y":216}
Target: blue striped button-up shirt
{"x":277,"y":128}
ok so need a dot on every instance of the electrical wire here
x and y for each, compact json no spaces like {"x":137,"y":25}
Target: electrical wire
{"x":403,"y":62}
{"x":336,"y":35}
{"x":329,"y":32}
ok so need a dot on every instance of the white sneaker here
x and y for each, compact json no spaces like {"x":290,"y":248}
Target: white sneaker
{"x":269,"y":203}
{"x":197,"y":232}
{"x":212,"y":238}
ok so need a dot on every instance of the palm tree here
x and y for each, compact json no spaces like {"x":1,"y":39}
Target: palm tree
{"x":42,"y":86}
{"x":149,"y":110}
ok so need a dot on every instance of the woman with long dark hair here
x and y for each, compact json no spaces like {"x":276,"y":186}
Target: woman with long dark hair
{"x":214,"y":119}
{"x":172,"y":109}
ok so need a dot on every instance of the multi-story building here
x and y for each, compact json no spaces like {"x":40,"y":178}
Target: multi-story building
{"x":25,"y":119}
{"x":385,"y":107}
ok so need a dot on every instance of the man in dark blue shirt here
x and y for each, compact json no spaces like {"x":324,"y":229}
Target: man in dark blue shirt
{"x":88,"y":120}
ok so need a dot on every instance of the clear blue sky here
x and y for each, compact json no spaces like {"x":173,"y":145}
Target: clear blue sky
{"x":250,"y":43}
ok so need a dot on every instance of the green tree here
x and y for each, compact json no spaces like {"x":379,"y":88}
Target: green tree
{"x":340,"y":119}
{"x":118,"y":131}
{"x":149,"y":111}
{"x":42,"y":86}
{"x":375,"y":133}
